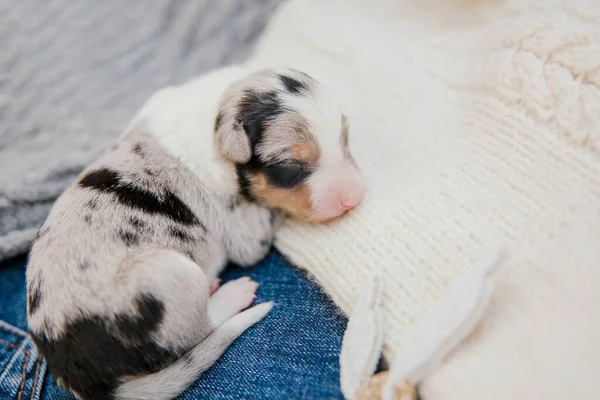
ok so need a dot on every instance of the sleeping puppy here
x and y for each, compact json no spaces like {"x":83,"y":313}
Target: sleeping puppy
{"x":123,"y":297}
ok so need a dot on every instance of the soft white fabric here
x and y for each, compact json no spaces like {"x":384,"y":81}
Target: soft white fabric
{"x":451,"y":320}
{"x":363,"y":339}
{"x":473,"y":122}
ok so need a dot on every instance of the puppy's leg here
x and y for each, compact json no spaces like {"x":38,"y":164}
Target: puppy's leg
{"x":136,"y":321}
{"x":230,"y":299}
{"x":249,"y":234}
{"x":190,"y":320}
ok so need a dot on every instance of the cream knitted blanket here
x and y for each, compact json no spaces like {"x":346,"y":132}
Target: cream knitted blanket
{"x":473,"y":122}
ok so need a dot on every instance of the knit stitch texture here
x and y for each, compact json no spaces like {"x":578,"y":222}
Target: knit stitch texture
{"x":474,"y":122}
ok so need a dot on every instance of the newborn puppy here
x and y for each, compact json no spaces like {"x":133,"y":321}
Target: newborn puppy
{"x":122,"y":274}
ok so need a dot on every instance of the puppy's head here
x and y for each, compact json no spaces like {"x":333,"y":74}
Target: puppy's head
{"x":289,"y":141}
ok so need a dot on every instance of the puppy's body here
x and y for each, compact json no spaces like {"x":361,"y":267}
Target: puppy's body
{"x":118,"y":279}
{"x":117,"y":260}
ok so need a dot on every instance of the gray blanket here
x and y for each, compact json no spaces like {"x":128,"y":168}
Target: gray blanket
{"x":72,"y":74}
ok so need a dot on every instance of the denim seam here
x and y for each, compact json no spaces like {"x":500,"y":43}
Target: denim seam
{"x":23,"y":373}
{"x":14,"y":358}
{"x":35,"y":380}
{"x":24,"y":346}
{"x":12,"y":329}
{"x":9,"y":344}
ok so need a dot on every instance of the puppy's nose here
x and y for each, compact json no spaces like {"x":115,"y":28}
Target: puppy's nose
{"x":350,"y":202}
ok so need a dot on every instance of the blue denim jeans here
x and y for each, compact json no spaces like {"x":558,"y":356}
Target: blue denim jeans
{"x":291,"y":354}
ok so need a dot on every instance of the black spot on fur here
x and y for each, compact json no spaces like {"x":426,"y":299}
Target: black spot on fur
{"x":218,"y":120}
{"x":88,"y":219}
{"x":294,"y":86}
{"x":93,"y":353}
{"x":137,"y":149}
{"x":265,"y":243}
{"x":165,"y":203}
{"x":92,"y":204}
{"x":149,"y":173}
{"x":232,"y":205}
{"x":34,"y":297}
{"x":85,"y":264}
{"x":151,"y":312}
{"x":129,"y":238}
{"x":180,"y":235}
{"x":137,"y":223}
{"x":189,"y":255}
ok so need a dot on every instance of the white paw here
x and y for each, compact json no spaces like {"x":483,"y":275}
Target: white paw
{"x":230,"y":299}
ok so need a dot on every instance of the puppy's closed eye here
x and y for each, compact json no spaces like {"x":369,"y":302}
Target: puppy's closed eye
{"x":287,"y":174}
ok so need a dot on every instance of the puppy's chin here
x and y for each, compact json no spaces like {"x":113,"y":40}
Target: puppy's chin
{"x":322,"y":218}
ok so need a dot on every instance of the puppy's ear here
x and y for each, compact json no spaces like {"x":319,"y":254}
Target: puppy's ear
{"x":231,"y":139}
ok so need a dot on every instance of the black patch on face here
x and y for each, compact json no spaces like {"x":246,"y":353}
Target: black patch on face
{"x":294,"y":86}
{"x":166,"y":203}
{"x":255,"y":111}
{"x":91,"y":355}
{"x":180,"y":235}
{"x":34,"y":297}
{"x":243,"y":180}
{"x":286,"y":175}
{"x":129,"y":238}
{"x":218,"y":120}
{"x":137,"y":149}
{"x":88,"y":219}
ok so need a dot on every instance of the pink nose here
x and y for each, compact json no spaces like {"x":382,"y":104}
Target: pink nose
{"x":349,"y":203}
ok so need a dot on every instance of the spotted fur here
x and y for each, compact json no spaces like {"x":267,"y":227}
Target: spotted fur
{"x":118,"y":277}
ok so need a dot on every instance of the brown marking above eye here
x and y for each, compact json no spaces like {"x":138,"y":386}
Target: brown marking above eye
{"x":296,"y":201}
{"x":306,"y":152}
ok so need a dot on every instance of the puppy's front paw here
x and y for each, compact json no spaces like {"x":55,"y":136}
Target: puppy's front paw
{"x":230,"y":299}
